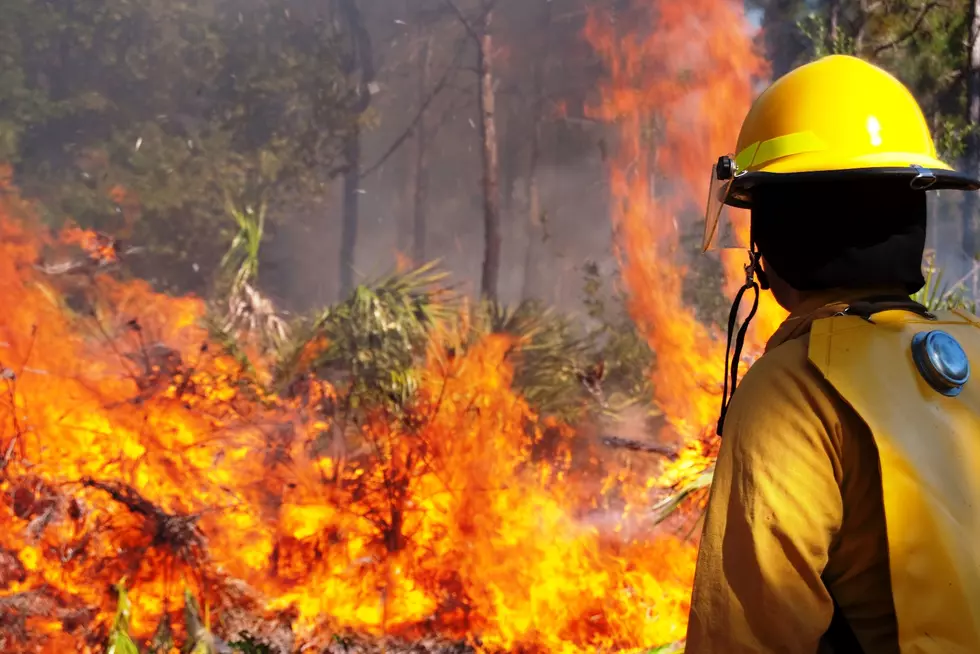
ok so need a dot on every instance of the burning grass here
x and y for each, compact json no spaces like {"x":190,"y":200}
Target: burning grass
{"x":147,"y":472}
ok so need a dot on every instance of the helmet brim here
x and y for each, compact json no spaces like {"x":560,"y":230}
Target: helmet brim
{"x":740,"y":192}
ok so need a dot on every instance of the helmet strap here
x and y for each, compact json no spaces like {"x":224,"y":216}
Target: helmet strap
{"x":733,"y":351}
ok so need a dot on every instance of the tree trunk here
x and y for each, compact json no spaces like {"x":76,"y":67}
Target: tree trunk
{"x":422,"y":159}
{"x":348,"y":235}
{"x":533,"y":232}
{"x":401,"y":204}
{"x":534,"y":216}
{"x":784,"y":45}
{"x":358,"y":63}
{"x":972,"y":138}
{"x":488,"y":133}
{"x":833,"y":31}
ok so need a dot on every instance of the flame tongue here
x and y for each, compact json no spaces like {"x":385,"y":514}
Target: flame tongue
{"x":676,"y":95}
{"x":130,"y":453}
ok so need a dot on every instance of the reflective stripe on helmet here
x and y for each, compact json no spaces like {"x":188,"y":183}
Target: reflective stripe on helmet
{"x":759,"y":154}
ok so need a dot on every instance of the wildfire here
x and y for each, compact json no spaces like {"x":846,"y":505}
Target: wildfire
{"x":133,"y":449}
{"x":681,"y":77}
{"x":132,"y":452}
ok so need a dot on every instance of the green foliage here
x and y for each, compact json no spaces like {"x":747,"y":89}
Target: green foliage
{"x":950,"y":135}
{"x":241,"y":263}
{"x":200,"y":639}
{"x":372,"y":342}
{"x":145,"y":118}
{"x":938,"y":294}
{"x":248,"y":645}
{"x":371,"y":345}
{"x":570,"y":368}
{"x":672,"y":648}
{"x":552,"y":356}
{"x":816,"y":31}
{"x":120,"y":642}
{"x":615,"y":339}
{"x":248,"y":311}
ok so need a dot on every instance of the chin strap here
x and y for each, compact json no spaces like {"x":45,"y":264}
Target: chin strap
{"x":752,"y":270}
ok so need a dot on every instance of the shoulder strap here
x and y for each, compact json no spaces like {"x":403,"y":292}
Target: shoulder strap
{"x":869,"y":306}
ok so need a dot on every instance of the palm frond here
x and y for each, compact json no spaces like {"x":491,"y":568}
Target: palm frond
{"x":250,"y":313}
{"x":375,"y":339}
{"x":120,"y":642}
{"x":241,"y":262}
{"x":671,"y":648}
{"x":940,"y":295}
{"x":554,"y":361}
{"x":666,"y":507}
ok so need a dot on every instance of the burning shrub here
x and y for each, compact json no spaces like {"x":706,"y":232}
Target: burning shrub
{"x":384,"y":478}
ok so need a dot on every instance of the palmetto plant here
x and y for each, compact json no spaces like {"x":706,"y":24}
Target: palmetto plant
{"x":199,"y":638}
{"x":242,"y":258}
{"x":938,"y":294}
{"x":374,"y":340}
{"x":552,"y":355}
{"x":248,"y":311}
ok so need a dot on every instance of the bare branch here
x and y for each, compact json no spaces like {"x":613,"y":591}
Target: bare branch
{"x":436,"y":90}
{"x":909,"y":33}
{"x":488,"y":6}
{"x":462,"y":19}
{"x":639,"y":446}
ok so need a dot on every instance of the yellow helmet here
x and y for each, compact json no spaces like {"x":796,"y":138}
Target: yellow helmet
{"x":837,"y":117}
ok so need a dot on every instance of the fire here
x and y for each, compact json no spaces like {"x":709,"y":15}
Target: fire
{"x":676,"y":93}
{"x":134,"y":451}
{"x":680,"y":78}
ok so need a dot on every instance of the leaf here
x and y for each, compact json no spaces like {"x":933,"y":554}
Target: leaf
{"x":200,"y":640}
{"x":663,"y":509}
{"x":120,"y":641}
{"x":671,"y":648}
{"x":249,"y":645}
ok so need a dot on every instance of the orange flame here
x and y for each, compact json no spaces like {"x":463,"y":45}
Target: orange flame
{"x":680,"y":78}
{"x":130,"y":450}
{"x":677,"y":89}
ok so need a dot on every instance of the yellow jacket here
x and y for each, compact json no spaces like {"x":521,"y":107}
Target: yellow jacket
{"x":797,"y":512}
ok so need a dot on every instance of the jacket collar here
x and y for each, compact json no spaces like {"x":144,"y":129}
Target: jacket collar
{"x":817,"y":305}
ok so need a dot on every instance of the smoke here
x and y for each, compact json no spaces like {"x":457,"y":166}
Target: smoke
{"x":944,"y":243}
{"x":302,"y":257}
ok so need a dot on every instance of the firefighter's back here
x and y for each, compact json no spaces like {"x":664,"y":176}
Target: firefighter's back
{"x":907,"y":376}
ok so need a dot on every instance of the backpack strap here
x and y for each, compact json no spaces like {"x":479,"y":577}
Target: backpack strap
{"x":868,"y":307}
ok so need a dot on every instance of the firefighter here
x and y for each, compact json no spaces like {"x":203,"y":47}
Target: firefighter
{"x":844,"y":515}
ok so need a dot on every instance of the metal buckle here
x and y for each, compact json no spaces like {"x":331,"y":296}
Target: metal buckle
{"x":923,"y":179}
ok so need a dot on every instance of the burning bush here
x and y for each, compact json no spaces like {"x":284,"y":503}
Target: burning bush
{"x":381,"y":478}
